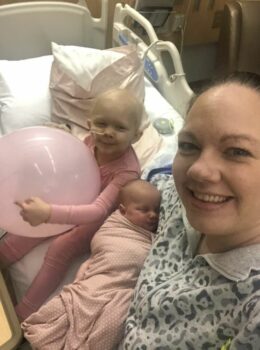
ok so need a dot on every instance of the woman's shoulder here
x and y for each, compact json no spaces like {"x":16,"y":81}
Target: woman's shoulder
{"x":166,"y":185}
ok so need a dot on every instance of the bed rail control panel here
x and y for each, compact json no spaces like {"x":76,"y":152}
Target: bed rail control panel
{"x":150,"y":69}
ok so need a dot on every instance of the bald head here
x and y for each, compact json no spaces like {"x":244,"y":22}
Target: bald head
{"x":123,"y":102}
{"x":136,"y":190}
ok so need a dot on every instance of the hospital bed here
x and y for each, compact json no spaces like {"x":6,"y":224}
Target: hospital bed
{"x":26,"y":33}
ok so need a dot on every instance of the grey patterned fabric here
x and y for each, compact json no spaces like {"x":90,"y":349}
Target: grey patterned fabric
{"x":184,"y":301}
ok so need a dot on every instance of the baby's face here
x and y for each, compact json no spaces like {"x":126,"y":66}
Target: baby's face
{"x":144,"y":211}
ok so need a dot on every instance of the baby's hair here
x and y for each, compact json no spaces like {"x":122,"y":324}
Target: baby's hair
{"x":125,"y":100}
{"x":129,"y":191}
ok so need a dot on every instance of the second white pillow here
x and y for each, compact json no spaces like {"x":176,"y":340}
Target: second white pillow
{"x":24,"y":95}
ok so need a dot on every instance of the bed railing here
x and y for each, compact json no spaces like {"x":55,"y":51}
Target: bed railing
{"x":162,"y":60}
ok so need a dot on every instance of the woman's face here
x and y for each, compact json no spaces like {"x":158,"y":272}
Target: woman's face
{"x":217,"y":166}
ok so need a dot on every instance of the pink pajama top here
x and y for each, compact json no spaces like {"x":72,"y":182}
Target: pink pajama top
{"x":114,"y":175}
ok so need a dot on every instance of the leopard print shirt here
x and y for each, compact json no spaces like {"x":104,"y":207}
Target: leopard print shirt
{"x":184,"y":301}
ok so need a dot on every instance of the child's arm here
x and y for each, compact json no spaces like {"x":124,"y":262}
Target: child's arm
{"x":36,"y":211}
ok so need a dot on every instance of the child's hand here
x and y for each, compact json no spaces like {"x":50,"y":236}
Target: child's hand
{"x":34,"y":210}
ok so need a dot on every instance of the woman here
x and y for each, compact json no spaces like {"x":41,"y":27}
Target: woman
{"x":200,"y":285}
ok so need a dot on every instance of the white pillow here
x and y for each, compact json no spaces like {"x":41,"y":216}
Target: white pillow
{"x":80,"y":74}
{"x":83,"y":64}
{"x":24,"y":93}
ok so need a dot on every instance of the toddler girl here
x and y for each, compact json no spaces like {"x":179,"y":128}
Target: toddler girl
{"x":114,"y":125}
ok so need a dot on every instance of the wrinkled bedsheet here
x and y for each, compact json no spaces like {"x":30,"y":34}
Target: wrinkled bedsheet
{"x":89,"y":314}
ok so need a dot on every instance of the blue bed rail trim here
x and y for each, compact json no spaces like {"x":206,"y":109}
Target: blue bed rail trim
{"x":167,"y":169}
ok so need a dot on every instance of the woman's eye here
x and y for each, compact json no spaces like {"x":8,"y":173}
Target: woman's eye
{"x":187,"y":147}
{"x":238,"y":152}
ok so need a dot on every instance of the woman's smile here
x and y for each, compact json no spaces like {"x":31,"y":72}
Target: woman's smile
{"x":206,"y":200}
{"x":209,"y":198}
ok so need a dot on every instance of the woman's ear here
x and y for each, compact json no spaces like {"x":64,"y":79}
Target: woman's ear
{"x":122,"y":209}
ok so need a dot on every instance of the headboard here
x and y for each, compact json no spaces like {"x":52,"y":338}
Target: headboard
{"x":24,"y":33}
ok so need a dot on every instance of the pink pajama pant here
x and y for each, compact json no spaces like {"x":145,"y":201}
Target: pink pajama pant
{"x":61,"y":252}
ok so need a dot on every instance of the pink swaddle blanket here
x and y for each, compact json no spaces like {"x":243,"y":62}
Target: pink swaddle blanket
{"x":89,"y":313}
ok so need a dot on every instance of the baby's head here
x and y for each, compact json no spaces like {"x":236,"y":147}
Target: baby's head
{"x":140,"y":203}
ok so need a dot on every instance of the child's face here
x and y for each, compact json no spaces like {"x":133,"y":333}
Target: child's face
{"x":113,"y":129}
{"x":144,"y":211}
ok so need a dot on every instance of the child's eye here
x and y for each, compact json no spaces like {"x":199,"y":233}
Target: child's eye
{"x":187,"y":147}
{"x":143,"y":210}
{"x":100,"y":125}
{"x":237,"y":152}
{"x":121,"y":128}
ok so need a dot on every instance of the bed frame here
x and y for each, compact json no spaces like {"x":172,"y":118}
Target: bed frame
{"x":162,"y":61}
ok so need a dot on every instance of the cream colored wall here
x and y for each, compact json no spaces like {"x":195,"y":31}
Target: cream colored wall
{"x":202,"y":24}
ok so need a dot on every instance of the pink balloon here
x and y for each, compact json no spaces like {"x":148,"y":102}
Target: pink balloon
{"x":48,"y":163}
